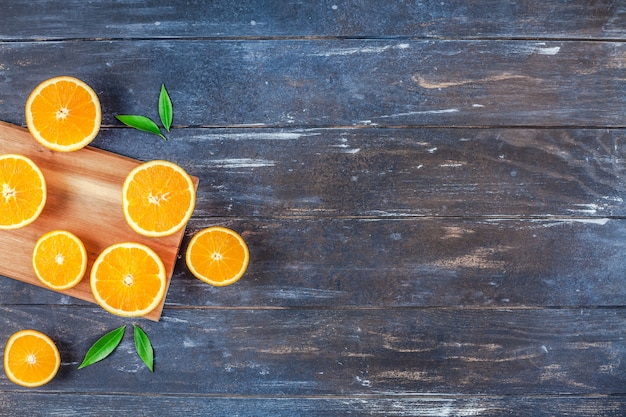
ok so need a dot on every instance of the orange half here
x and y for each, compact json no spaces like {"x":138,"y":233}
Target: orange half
{"x":31,"y":358}
{"x":22,"y":191}
{"x":63,"y":114}
{"x":217,"y":255}
{"x":128,"y":279}
{"x":60,"y":259}
{"x":158,"y":198}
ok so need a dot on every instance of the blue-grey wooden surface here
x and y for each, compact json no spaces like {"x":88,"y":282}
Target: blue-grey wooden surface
{"x":432,"y":192}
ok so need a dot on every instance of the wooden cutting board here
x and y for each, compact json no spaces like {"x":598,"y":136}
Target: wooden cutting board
{"x":85,"y":198}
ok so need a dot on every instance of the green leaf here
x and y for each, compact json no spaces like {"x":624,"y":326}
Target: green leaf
{"x":140,"y":123}
{"x":165,"y":108}
{"x":103,"y":347}
{"x":143,"y":347}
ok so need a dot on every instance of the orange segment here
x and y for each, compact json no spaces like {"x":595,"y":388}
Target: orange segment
{"x":217,"y":256}
{"x":128,"y":279}
{"x":59,"y":259}
{"x":22,"y":191}
{"x":158,"y":198}
{"x":63,"y":114}
{"x":31,"y":358}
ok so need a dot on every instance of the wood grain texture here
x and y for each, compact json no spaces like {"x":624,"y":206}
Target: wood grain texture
{"x":379,"y":263}
{"x":403,"y":263}
{"x":84,"y":198}
{"x":329,"y":83}
{"x":262,"y":172}
{"x":276,"y":18}
{"x":342,"y":352}
{"x":284,"y":406}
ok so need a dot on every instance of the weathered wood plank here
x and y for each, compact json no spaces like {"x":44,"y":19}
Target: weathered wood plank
{"x":394,"y":172}
{"x":388,"y":263}
{"x":56,"y":404}
{"x":429,"y":262}
{"x":276,"y":18}
{"x":335,"y":82}
{"x":408,"y":263}
{"x":346,"y":352}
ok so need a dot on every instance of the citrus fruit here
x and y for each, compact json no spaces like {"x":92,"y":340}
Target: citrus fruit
{"x":63,"y":114}
{"x":217,"y":256}
{"x":128,"y":279}
{"x":59,"y":259}
{"x":23,"y":194}
{"x":158,"y":198}
{"x":31,"y":358}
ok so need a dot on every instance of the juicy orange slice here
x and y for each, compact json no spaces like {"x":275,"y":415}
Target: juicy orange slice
{"x":23,"y":191}
{"x":59,"y":259}
{"x":31,"y":358}
{"x":158,"y":198}
{"x":128,"y":279}
{"x":63,"y":114}
{"x":217,"y":256}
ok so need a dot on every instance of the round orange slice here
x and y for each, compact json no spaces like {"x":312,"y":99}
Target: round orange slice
{"x":218,"y":256}
{"x":31,"y":359}
{"x":63,"y":114}
{"x":59,"y":259}
{"x":128,"y":279}
{"x":158,"y":198}
{"x":23,"y":191}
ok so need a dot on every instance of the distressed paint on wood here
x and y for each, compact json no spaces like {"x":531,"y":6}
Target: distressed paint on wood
{"x":359,"y":83}
{"x":385,"y":173}
{"x":404,"y":263}
{"x":328,"y":18}
{"x":286,"y":406}
{"x":342,"y":351}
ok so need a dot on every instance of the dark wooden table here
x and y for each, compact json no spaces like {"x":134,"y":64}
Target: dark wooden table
{"x":432,"y":192}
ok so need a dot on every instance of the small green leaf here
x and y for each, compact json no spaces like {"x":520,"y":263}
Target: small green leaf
{"x":140,"y":123}
{"x":143,"y":347}
{"x":165,"y":108}
{"x":103,"y":347}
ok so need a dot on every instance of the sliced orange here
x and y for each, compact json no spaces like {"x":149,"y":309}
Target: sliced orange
{"x":158,"y":198}
{"x":31,"y":358}
{"x":128,"y":279}
{"x":23,"y":194}
{"x":63,"y":114}
{"x":60,"y":259}
{"x":217,"y":256}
